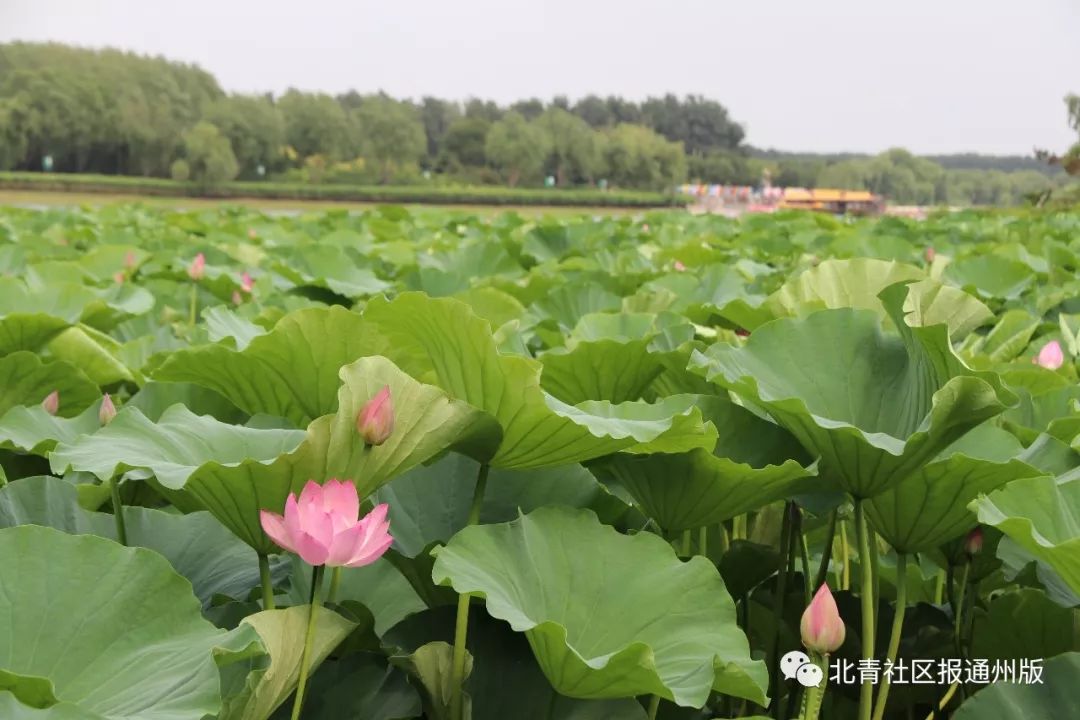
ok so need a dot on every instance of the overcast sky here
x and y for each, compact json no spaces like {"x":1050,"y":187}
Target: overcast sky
{"x":813,"y":75}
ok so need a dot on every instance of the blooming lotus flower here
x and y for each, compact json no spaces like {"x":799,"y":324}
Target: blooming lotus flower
{"x":107,"y":411}
{"x":1050,"y":357}
{"x":197,"y":268}
{"x":974,"y":541}
{"x":323,"y":527}
{"x":376,"y":419}
{"x":679,"y":266}
{"x":52,"y":402}
{"x":822,"y":629}
{"x":246,"y":283}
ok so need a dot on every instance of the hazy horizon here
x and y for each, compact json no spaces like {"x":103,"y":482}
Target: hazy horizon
{"x":836,"y":76}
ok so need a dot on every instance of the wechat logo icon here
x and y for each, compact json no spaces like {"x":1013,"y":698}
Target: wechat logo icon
{"x":796,"y":664}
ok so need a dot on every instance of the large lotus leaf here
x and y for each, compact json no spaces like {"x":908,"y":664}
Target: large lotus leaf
{"x":28,"y":331}
{"x":930,"y":506}
{"x":426,"y":423}
{"x":442,"y":341}
{"x":430,"y":503}
{"x":283,"y":633}
{"x":875,"y":407}
{"x":568,"y":304}
{"x":332,"y":268}
{"x":290,"y":372}
{"x":360,"y":687}
{"x":602,"y":370}
{"x":1024,"y":623}
{"x":223,"y":323}
{"x":991,"y":275}
{"x":1053,"y":696}
{"x":196,"y":545}
{"x":26,"y":380}
{"x":94,"y":352}
{"x":172,"y":448}
{"x":30,"y":429}
{"x":1041,"y":515}
{"x":691,"y":490}
{"x":1006,"y":340}
{"x":123,"y":637}
{"x":12,"y":709}
{"x":607,"y":615}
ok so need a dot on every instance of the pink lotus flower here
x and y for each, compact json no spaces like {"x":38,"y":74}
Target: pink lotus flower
{"x":375,"y":422}
{"x":930,"y":254}
{"x":322,"y":527}
{"x":129,"y":259}
{"x":974,"y":541}
{"x":679,"y":266}
{"x":197,"y":268}
{"x":822,"y":629}
{"x":246,"y":283}
{"x":252,"y":234}
{"x":107,"y":411}
{"x":1050,"y":357}
{"x":119,"y":277}
{"x":237,"y":298}
{"x":51,"y":403}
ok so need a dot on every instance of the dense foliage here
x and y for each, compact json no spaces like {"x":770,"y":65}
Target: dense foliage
{"x":107,"y":112}
{"x":627,"y":451}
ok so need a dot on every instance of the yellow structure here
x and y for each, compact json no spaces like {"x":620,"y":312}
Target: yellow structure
{"x":857,"y":202}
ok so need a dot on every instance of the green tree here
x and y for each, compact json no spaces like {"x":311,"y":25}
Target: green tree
{"x":391,"y":134}
{"x":255,"y":129}
{"x":639,"y":157}
{"x":437,"y":116}
{"x":463,"y":146}
{"x":574,"y":147}
{"x":210,"y":157}
{"x":316,"y":124}
{"x":516,"y":148}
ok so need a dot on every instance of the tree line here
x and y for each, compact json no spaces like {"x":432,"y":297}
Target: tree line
{"x":114,"y":112}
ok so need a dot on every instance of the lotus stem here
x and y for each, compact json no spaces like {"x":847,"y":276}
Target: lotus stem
{"x":654,"y":706}
{"x":703,"y":541}
{"x":738,"y":527}
{"x":461,"y":625}
{"x":804,"y":555}
{"x":826,"y":553}
{"x":267,"y":583}
{"x":335,"y":583}
{"x":816,"y":694}
{"x":845,"y":553}
{"x":866,"y":691}
{"x":309,"y":640}
{"x":944,"y":701}
{"x":939,"y":587}
{"x":778,"y":608}
{"x":118,"y":511}
{"x":192,"y":312}
{"x":958,"y":609}
{"x":686,"y":539}
{"x":894,"y":636}
{"x":723,"y":539}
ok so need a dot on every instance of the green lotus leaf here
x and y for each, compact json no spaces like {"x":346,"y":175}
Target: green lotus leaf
{"x":282,"y":633}
{"x":332,"y":268}
{"x":12,"y":709}
{"x":1054,"y":696}
{"x":607,"y":615}
{"x":290,"y":372}
{"x":360,"y":687}
{"x":93,"y":352}
{"x":1024,"y":623}
{"x":30,"y":429}
{"x":147,"y":653}
{"x":1041,"y":515}
{"x":28,"y":331}
{"x":930,"y":507}
{"x":1006,"y":340}
{"x":443,"y":342}
{"x":223,"y":323}
{"x":603,"y":370}
{"x":874,"y":407}
{"x":992,"y":276}
{"x":426,"y":423}
{"x":172,"y":448}
{"x":26,"y":380}
{"x":568,"y":304}
{"x":195,"y":544}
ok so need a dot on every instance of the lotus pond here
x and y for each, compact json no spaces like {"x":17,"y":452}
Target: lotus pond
{"x":657,"y":467}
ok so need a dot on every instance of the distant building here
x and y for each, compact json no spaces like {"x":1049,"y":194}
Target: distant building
{"x":841,"y":202}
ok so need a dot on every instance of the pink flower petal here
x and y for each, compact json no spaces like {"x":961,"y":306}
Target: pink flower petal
{"x":274,"y":526}
{"x":340,"y":498}
{"x":344,"y":545}
{"x":311,"y":550}
{"x":369,"y":553}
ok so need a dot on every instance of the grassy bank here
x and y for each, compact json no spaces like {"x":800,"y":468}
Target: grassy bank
{"x":419,"y":195}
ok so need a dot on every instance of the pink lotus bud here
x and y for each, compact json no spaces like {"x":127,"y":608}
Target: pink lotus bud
{"x":323,"y":529}
{"x":376,"y":420}
{"x":1050,"y":357}
{"x":974,"y":541}
{"x":129,"y":259}
{"x":645,"y":227}
{"x":822,"y":629}
{"x":246,"y":283}
{"x":107,"y":411}
{"x":237,"y":298}
{"x":930,"y":254}
{"x":252,"y":234}
{"x":197,"y":268}
{"x":52,"y":402}
{"x":679,"y":266}
{"x":119,"y":277}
